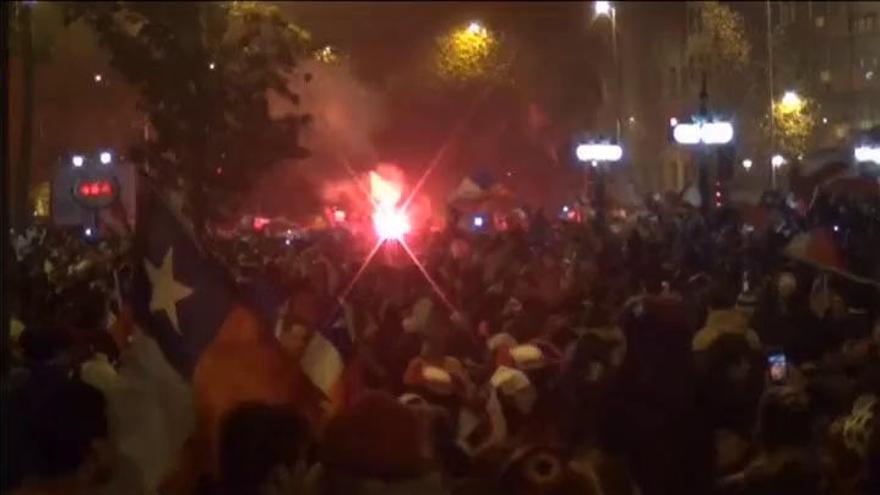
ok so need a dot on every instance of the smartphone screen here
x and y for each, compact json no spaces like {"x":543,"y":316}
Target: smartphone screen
{"x":778,"y":367}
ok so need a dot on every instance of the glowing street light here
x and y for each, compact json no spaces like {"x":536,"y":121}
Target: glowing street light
{"x":603,"y":8}
{"x":777,"y":161}
{"x":598,"y":152}
{"x":867,"y":154}
{"x":98,"y":78}
{"x":475,"y":28}
{"x":703,"y":133}
{"x":791,"y":102}
{"x":747,"y":164}
{"x":77,"y":160}
{"x":106,"y":157}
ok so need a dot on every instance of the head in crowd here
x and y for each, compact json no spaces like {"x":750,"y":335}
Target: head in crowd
{"x":377,"y":437}
{"x":61,"y":434}
{"x":256,"y":440}
{"x":784,"y":418}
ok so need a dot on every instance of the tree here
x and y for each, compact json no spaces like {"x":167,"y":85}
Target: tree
{"x":469,"y":54}
{"x":721,"y":50}
{"x":794,"y":125}
{"x":205,"y":71}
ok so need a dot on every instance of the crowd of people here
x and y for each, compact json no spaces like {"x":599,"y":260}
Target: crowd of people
{"x":666,"y":353}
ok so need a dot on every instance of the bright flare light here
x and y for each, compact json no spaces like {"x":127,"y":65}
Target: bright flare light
{"x":747,"y":164}
{"x":867,"y":154}
{"x":475,"y":27}
{"x":478,"y":222}
{"x":598,"y":152}
{"x":389,"y":221}
{"x":77,"y":160}
{"x":106,"y":157}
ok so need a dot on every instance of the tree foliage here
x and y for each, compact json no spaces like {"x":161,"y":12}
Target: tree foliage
{"x":721,"y":50}
{"x":469,"y":54}
{"x":205,"y":71}
{"x":721,"y":45}
{"x":793,"y":126}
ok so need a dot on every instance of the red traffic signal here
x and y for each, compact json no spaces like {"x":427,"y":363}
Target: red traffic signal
{"x":96,"y":189}
{"x":95,"y":192}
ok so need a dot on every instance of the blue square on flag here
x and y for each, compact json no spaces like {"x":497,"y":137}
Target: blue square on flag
{"x":180,"y":295}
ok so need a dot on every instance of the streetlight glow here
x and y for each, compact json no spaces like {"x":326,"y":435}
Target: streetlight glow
{"x":77,"y":160}
{"x":706,"y":133}
{"x":791,"y":102}
{"x":598,"y":152}
{"x":747,"y":163}
{"x":867,"y":154}
{"x":777,"y":161}
{"x":106,"y":157}
{"x":603,"y":8}
{"x":98,"y":78}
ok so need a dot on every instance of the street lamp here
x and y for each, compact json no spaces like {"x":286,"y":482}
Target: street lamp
{"x":747,"y":164}
{"x":475,"y":28}
{"x":598,"y":154}
{"x":777,"y":161}
{"x":704,"y":134}
{"x":106,"y":157}
{"x":791,"y":102}
{"x":605,"y":9}
{"x":710,"y":133}
{"x":77,"y":160}
{"x":867,"y":153}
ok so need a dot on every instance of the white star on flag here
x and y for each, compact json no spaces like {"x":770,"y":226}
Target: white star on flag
{"x":166,"y":291}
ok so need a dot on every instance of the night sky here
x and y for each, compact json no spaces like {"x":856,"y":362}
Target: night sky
{"x":560,"y":55}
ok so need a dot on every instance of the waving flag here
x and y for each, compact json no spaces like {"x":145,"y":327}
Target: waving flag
{"x":819,"y":249}
{"x":204,"y":327}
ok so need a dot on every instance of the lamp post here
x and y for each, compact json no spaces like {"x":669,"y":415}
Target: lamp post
{"x":598,"y":154}
{"x":703,"y":133}
{"x":867,"y":154}
{"x":606,"y":9}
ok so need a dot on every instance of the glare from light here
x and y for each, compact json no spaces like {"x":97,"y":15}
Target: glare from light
{"x":287,"y":242}
{"x":212,"y":66}
{"x":717,"y":133}
{"x":837,"y":228}
{"x":777,"y":161}
{"x":686,"y":133}
{"x":391,"y":223}
{"x":106,"y":157}
{"x":747,"y":164}
{"x":565,"y":209}
{"x":824,"y":120}
{"x":603,"y":8}
{"x":707,"y":133}
{"x":475,"y":27}
{"x":98,"y":78}
{"x":867,"y":154}
{"x":791,"y":102}
{"x":77,"y":160}
{"x":598,"y":152}
{"x":478,"y":222}
{"x":673,"y":122}
{"x":88,"y":231}
{"x":632,"y":119}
